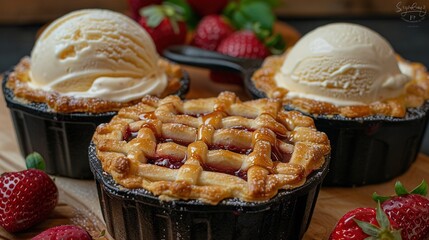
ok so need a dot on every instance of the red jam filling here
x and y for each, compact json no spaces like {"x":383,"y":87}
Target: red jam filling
{"x":147,"y":115}
{"x":237,"y":173}
{"x":166,"y":140}
{"x":277,"y":155}
{"x":235,"y":149}
{"x":242,"y":128}
{"x":166,"y":162}
{"x":172,"y":163}
{"x":284,"y":138}
{"x":129,"y":135}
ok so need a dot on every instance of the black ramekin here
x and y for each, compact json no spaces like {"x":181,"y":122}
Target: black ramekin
{"x":368,"y":150}
{"x":62,"y":139}
{"x":137,"y":214}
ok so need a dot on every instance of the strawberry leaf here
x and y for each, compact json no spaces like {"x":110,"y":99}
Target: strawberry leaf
{"x":381,"y":217}
{"x":368,"y":228}
{"x":400,"y":189}
{"x":260,"y":32}
{"x":258,"y":12}
{"x":239,"y":20}
{"x":421,"y":189}
{"x":276,"y":44}
{"x":173,"y":10}
{"x":230,"y":9}
{"x":35,"y":160}
{"x":154,"y":20}
{"x":154,"y":15}
{"x":379,"y":198}
{"x":257,"y":16}
{"x":384,"y":232}
{"x":189,"y":16}
{"x":244,"y":15}
{"x":271,"y":3}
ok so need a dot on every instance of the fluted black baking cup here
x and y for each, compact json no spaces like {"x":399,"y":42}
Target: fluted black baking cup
{"x":372,"y":149}
{"x":137,"y":214}
{"x":368,"y":150}
{"x":62,"y":139}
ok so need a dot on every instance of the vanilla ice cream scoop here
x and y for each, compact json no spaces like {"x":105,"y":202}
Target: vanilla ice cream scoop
{"x":97,"y":53}
{"x":343,"y":64}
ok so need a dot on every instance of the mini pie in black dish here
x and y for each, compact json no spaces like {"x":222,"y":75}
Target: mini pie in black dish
{"x":84,"y":67}
{"x":375,"y":117}
{"x":208,"y":168}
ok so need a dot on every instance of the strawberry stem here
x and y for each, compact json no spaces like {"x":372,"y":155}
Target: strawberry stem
{"x":35,"y":160}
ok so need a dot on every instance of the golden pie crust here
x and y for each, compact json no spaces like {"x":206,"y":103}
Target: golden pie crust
{"x":19,"y":78}
{"x":210,"y":149}
{"x":416,"y":93}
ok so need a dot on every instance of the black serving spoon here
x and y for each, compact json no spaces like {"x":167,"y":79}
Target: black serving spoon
{"x":198,"y":57}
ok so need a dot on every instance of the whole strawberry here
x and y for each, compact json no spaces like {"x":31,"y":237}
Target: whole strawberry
{"x":243,"y":44}
{"x":410,"y":211}
{"x":207,"y":7}
{"x":364,"y":223}
{"x":64,"y":232}
{"x":165,"y":24}
{"x":211,"y":30}
{"x":26,"y":198}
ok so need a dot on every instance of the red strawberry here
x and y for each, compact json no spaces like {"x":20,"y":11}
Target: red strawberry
{"x":211,"y":30}
{"x":207,"y":7}
{"x":165,"y":25}
{"x":26,"y":198}
{"x":135,"y":5}
{"x":362,"y":223}
{"x":65,"y":232}
{"x":243,"y":44}
{"x":410,"y":211}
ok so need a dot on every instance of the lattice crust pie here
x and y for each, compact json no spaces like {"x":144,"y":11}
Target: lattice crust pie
{"x":210,"y":149}
{"x":416,"y":93}
{"x":19,"y":78}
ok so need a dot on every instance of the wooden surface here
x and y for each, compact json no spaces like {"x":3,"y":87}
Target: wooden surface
{"x":79,"y":201}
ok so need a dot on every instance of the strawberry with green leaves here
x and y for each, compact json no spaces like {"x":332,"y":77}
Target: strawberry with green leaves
{"x":409,"y":210}
{"x":403,"y":216}
{"x":64,"y":232}
{"x":165,"y":24}
{"x":26,"y":197}
{"x":254,"y":38}
{"x":258,"y":17}
{"x":365,"y":223}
